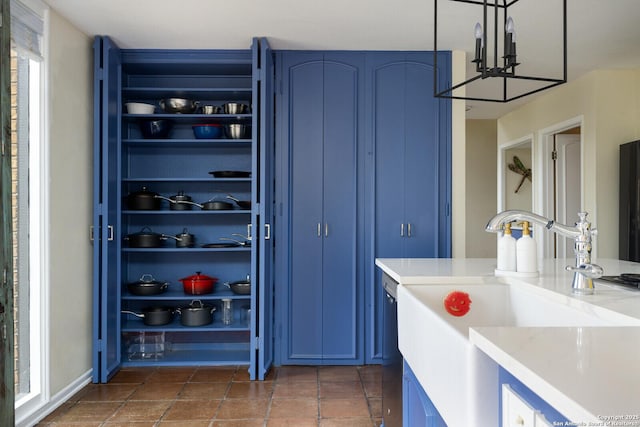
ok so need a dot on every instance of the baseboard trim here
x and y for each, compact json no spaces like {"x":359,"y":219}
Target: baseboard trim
{"x":39,"y":412}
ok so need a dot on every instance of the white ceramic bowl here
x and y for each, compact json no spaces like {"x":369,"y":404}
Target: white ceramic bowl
{"x":139,"y":108}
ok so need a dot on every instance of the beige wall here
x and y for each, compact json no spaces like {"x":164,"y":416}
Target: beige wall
{"x":481,"y":199}
{"x":608,"y":101}
{"x":70,"y":180}
{"x":458,"y":161}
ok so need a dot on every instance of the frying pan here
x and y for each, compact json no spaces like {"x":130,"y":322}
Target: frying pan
{"x":230,"y":174}
{"x":243,"y":204}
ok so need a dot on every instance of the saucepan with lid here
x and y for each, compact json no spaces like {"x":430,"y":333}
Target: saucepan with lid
{"x":153,"y":316}
{"x":196,"y":314}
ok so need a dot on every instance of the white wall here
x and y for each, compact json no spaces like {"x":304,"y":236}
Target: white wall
{"x":70,"y":148}
{"x":608,"y":101}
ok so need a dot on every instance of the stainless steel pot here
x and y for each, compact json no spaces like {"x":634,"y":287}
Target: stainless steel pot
{"x":196,"y":314}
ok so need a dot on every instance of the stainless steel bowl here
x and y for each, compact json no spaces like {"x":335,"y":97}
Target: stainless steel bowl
{"x":178,"y":105}
{"x":235,"y":108}
{"x":210,"y":109}
{"x":237,"y":131}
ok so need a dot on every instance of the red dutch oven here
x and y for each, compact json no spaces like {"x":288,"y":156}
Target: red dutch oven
{"x":198,"y":284}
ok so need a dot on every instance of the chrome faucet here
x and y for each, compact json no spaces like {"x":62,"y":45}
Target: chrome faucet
{"x":584,"y":271}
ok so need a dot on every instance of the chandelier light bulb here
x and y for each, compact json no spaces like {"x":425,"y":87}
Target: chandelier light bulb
{"x":509,"y":27}
{"x":478,"y":31}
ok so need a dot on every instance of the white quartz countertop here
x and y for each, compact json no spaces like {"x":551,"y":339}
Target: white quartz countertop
{"x":586,"y":373}
{"x":590,"y":374}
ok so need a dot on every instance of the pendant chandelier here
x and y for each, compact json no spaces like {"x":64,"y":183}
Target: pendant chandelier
{"x":498,"y":73}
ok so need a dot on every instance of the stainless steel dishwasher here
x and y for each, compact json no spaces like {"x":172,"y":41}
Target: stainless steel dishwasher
{"x":391,"y":358}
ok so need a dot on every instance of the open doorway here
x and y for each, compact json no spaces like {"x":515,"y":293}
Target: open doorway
{"x":563,"y":178}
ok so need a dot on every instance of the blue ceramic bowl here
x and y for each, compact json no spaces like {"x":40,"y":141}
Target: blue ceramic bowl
{"x":208,"y":131}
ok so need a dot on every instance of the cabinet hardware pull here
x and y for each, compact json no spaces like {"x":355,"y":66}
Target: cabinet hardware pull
{"x":110,"y":233}
{"x":326,"y":229}
{"x":91,"y":233}
{"x":409,"y":229}
{"x":267,"y":231}
{"x":319,"y":230}
{"x":249,"y":228}
{"x":402,"y":230}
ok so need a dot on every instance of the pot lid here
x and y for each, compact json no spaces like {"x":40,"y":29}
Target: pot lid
{"x":198,"y":305}
{"x":145,"y":231}
{"x":147,"y":280}
{"x":198,"y":277}
{"x":144,"y":191}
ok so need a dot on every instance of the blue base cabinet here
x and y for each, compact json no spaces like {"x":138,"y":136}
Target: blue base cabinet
{"x":127,"y":161}
{"x":547,"y":412}
{"x":417,"y":408}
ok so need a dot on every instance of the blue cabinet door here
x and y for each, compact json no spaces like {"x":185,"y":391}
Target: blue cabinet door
{"x":411,"y":172}
{"x":306,"y":126}
{"x":417,"y":408}
{"x":264,"y":162}
{"x":340,"y":335}
{"x":321,"y":100}
{"x":106,"y":206}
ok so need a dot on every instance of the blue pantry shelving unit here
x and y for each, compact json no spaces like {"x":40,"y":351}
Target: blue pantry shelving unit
{"x":125,"y":162}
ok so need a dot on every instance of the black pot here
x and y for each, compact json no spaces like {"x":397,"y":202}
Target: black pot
{"x":154,"y":316}
{"x":147,"y":285}
{"x":146,"y":238}
{"x":177,"y":202}
{"x":196,"y":314}
{"x":144,"y":200}
{"x":186,"y":240}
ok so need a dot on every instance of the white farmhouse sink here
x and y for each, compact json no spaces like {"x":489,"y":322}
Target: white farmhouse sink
{"x":460,"y":379}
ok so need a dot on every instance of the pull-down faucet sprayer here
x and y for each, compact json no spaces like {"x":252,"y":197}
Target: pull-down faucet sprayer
{"x":581,"y":233}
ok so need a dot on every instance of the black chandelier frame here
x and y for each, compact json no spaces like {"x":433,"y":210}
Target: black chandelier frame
{"x":507,"y":70}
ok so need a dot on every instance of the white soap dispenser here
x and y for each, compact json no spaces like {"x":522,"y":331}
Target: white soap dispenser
{"x":526,"y":252}
{"x":506,"y":250}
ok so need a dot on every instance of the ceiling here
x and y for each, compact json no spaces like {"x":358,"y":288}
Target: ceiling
{"x":601,"y":33}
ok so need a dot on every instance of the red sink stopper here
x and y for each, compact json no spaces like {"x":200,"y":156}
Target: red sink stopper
{"x":457,"y":303}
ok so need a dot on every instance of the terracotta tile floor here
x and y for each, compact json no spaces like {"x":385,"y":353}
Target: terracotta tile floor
{"x":296,"y":396}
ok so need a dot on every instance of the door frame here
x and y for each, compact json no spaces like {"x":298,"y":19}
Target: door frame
{"x":544,"y":202}
{"x":7,"y":386}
